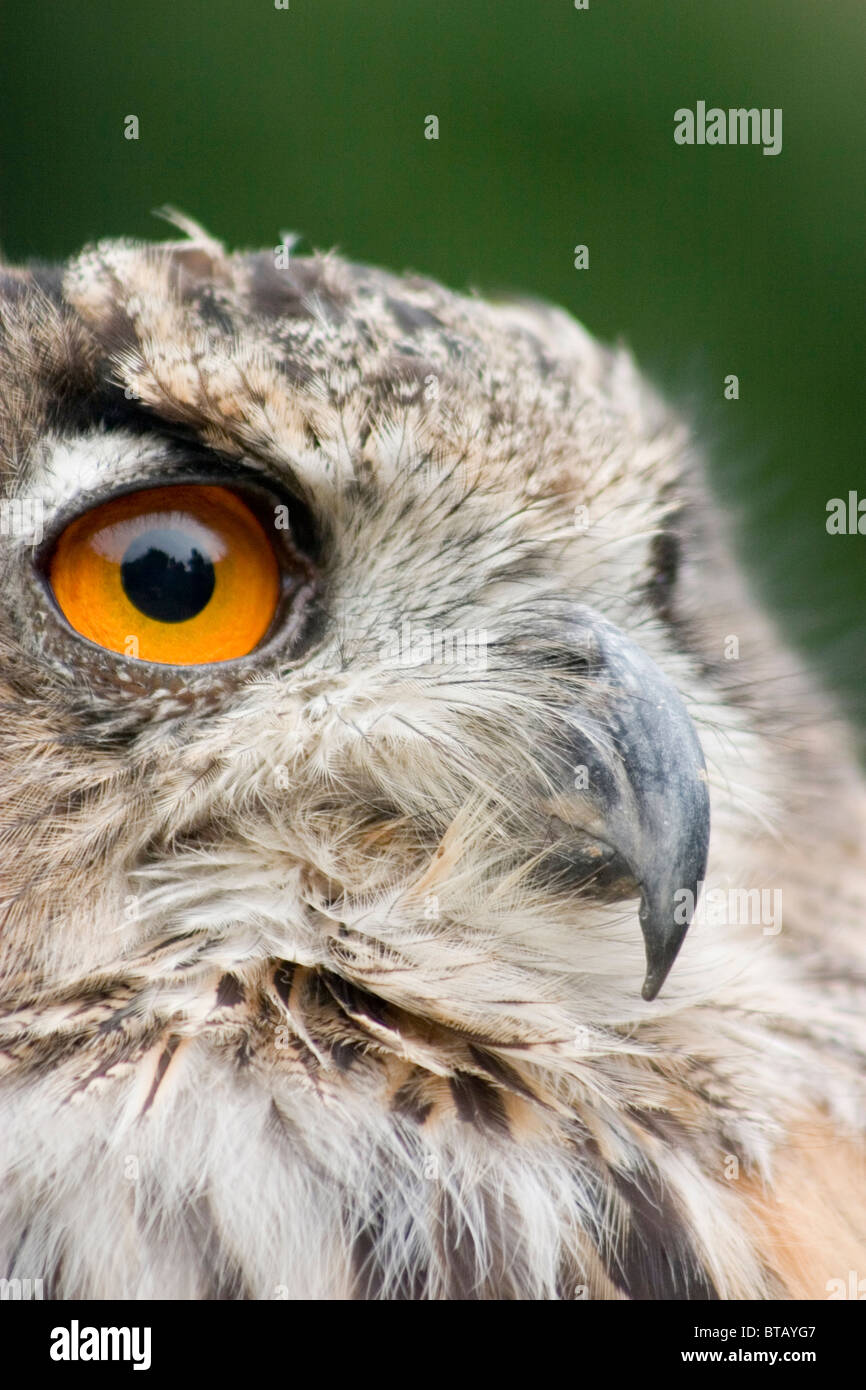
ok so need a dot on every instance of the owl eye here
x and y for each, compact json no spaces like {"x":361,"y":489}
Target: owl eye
{"x":182,"y":575}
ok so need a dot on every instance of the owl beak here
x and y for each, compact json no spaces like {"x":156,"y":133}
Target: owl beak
{"x":646,"y":792}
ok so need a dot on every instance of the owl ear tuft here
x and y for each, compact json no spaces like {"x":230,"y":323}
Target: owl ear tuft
{"x":201,"y":257}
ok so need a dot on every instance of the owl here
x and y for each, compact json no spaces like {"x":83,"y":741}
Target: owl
{"x":425,"y":873}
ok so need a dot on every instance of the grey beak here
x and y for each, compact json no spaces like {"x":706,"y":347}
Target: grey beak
{"x":648,"y":824}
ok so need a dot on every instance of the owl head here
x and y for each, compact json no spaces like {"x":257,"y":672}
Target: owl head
{"x":365,"y":694}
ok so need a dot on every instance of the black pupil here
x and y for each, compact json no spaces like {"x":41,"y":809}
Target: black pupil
{"x":166,"y":576}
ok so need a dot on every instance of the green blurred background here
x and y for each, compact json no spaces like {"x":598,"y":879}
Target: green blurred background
{"x":556,"y":128}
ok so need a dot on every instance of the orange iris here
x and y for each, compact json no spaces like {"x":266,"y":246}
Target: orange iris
{"x":181,"y":575}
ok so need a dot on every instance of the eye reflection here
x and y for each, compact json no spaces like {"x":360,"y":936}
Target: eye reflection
{"x":166,"y":576}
